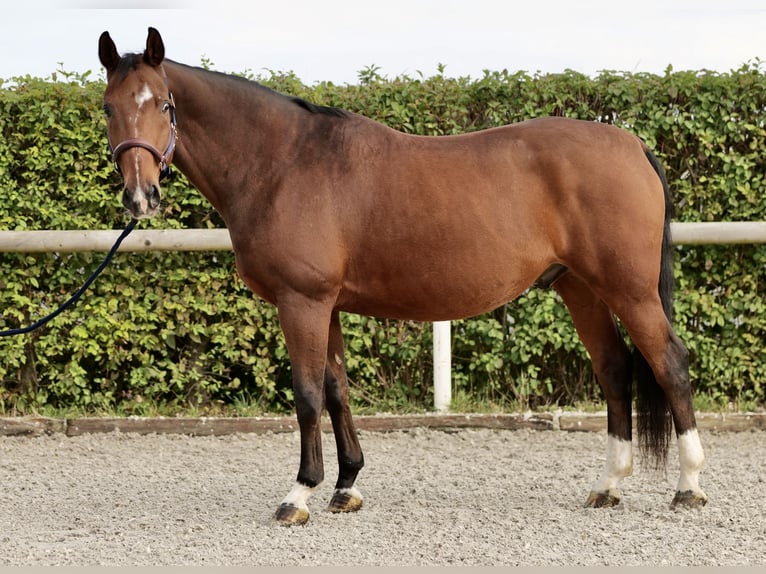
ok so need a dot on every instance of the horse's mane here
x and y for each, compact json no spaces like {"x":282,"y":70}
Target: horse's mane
{"x":300,"y":102}
{"x":130,"y":62}
{"x":316,"y":109}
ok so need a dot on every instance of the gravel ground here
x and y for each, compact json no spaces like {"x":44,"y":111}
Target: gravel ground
{"x":468,"y":497}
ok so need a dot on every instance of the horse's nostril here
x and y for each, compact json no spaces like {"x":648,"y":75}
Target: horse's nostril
{"x":154,"y":197}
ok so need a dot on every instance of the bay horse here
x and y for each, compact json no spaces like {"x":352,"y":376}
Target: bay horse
{"x":329,"y":211}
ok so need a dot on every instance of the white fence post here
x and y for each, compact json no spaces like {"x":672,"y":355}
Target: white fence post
{"x":442,"y":366}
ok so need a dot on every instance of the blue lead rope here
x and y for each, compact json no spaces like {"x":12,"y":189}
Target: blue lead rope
{"x":73,"y":299}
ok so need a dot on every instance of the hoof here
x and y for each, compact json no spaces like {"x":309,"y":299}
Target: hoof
{"x":289,"y":515}
{"x":606,"y":499}
{"x":688,"y":499}
{"x":345,"y":500}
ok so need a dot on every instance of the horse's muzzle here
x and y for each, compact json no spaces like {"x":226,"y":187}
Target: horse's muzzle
{"x":143,"y":202}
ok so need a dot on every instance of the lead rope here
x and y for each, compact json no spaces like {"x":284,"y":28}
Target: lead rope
{"x":73,"y":299}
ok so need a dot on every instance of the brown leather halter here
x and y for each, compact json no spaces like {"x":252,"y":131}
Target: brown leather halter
{"x":162,"y":158}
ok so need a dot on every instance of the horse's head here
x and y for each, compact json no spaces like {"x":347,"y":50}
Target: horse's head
{"x":140,"y":120}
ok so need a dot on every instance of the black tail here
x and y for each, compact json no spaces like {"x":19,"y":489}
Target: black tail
{"x":654,"y":421}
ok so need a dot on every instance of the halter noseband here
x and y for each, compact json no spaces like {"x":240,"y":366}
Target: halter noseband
{"x":162,"y":158}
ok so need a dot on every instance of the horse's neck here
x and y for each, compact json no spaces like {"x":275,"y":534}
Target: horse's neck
{"x":226,"y":134}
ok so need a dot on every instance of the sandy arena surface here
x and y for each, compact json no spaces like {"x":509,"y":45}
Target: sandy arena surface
{"x":432,"y":497}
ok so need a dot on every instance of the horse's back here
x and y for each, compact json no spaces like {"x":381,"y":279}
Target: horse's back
{"x":511,"y":173}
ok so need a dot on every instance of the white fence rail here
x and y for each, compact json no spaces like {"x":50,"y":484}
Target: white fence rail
{"x":102,"y":240}
{"x":218,"y":240}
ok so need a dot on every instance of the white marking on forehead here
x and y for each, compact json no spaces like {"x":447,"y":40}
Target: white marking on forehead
{"x":138,"y":177}
{"x":144,"y":95}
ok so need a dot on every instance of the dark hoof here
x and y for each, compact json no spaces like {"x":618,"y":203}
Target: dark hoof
{"x":602,"y":499}
{"x":289,"y":515}
{"x":688,"y":499}
{"x":346,"y":500}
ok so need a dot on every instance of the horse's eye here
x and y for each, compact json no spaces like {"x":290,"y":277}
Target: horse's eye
{"x":165,"y":107}
{"x":107,"y":110}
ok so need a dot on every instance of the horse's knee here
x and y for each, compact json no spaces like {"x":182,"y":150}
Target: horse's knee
{"x":309,"y":402}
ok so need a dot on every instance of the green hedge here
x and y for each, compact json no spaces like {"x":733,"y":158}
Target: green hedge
{"x":180,"y":330}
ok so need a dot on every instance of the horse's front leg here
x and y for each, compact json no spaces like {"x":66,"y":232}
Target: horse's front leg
{"x":346,"y":497}
{"x":305,"y":324}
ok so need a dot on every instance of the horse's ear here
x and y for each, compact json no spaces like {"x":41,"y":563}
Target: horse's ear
{"x":155,"y":49}
{"x":107,"y":52}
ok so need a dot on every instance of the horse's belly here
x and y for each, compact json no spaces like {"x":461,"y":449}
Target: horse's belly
{"x":435,"y":294}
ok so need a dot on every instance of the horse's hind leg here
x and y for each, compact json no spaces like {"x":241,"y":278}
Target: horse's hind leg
{"x":346,"y":497}
{"x":612,"y":365}
{"x":668,"y":360}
